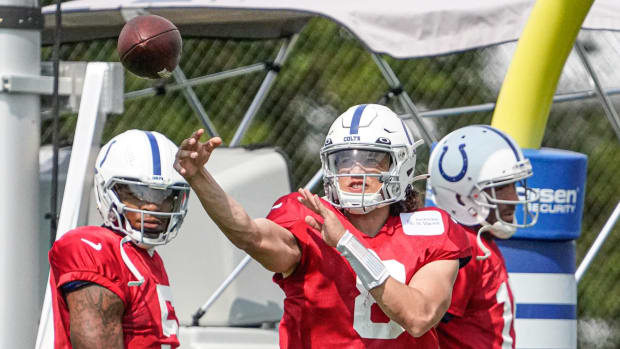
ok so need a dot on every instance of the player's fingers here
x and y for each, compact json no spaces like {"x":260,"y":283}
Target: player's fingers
{"x":212,"y":144}
{"x":191,"y":142}
{"x":180,"y":169}
{"x":311,"y":221}
{"x":311,"y":200}
{"x":185,"y":144}
{"x":306,"y":201}
{"x":302,"y":192}
{"x":321,"y":209}
{"x":197,"y":134}
{"x":317,"y":201}
{"x":186,"y":154}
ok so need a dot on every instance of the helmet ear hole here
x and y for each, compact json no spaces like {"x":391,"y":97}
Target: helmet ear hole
{"x":394,"y":189}
{"x":458,"y":199}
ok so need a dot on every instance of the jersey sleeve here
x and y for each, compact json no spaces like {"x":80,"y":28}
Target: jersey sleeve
{"x":290,"y":213}
{"x":287,"y":211}
{"x":462,"y":290}
{"x":452,"y":243}
{"x":87,"y":257}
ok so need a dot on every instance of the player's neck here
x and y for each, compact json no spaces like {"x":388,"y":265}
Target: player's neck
{"x":371,"y":222}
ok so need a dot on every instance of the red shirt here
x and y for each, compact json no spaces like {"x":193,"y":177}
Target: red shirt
{"x":325,"y":306}
{"x":93,"y":254}
{"x":482,"y":304}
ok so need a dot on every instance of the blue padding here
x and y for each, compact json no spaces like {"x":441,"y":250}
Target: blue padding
{"x":546,"y":311}
{"x":559,"y":177}
{"x":527,"y":256}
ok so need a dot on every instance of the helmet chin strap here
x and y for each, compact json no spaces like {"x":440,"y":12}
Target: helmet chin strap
{"x":129,"y":264}
{"x":485,"y":250}
{"x":498,"y":229}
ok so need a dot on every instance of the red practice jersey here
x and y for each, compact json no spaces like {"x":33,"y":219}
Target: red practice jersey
{"x":326,"y":308}
{"x":93,"y":254}
{"x":481,"y":314}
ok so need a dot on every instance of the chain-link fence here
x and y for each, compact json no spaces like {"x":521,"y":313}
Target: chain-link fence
{"x":329,"y":70}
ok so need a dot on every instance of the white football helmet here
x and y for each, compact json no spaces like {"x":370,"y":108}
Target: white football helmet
{"x":474,"y":158}
{"x":139,"y":165}
{"x":374,"y":141}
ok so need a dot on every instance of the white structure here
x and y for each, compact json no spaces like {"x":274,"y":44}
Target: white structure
{"x":20,"y":44}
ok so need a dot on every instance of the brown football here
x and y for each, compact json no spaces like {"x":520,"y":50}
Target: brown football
{"x":150,"y":46}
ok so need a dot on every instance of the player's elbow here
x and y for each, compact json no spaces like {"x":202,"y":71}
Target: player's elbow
{"x":246,"y":236}
{"x":419,"y":324}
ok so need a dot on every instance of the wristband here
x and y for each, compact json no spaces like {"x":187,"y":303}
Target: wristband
{"x":368,"y":267}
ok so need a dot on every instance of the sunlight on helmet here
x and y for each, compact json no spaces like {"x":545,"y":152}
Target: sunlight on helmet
{"x":469,"y":167}
{"x":368,"y":159}
{"x":137,"y":190}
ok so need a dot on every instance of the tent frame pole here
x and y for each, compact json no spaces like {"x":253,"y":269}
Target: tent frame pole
{"x":597,"y":244}
{"x":194,"y":102}
{"x":403,"y":98}
{"x":267,"y":84}
{"x":608,"y":107}
{"x":227,"y":74}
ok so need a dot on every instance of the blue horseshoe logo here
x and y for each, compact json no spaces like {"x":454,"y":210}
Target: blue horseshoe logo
{"x":461,"y":174}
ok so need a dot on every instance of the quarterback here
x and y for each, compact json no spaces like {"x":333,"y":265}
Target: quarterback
{"x":473,"y":174}
{"x":109,"y":286}
{"x":361,"y":268}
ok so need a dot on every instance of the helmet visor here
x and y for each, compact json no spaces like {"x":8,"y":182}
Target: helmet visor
{"x":167,"y":199}
{"x":359,"y":160}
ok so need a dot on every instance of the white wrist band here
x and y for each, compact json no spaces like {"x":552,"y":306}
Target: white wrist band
{"x":368,"y":267}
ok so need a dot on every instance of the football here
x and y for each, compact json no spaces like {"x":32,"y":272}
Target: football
{"x":150,"y":46}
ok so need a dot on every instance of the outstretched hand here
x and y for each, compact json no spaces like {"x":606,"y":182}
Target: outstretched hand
{"x":193,"y":154}
{"x":331,"y":228}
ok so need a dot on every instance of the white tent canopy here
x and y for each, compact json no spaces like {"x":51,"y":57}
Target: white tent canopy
{"x":400,"y":28}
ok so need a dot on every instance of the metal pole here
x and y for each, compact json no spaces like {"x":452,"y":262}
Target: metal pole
{"x":244,"y":262}
{"x":404,"y":98}
{"x":610,"y":111}
{"x":315,"y":179}
{"x":194,"y":102}
{"x":283,"y":53}
{"x":151,"y":91}
{"x":487,"y":107}
{"x":20,"y":132}
{"x":596,"y":246}
{"x":55,"y":132}
{"x":233,"y":275}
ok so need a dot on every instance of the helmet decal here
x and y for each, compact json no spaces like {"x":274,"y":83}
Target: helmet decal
{"x":357,"y":116}
{"x":106,"y":153}
{"x":461,"y":174}
{"x":155,"y":152}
